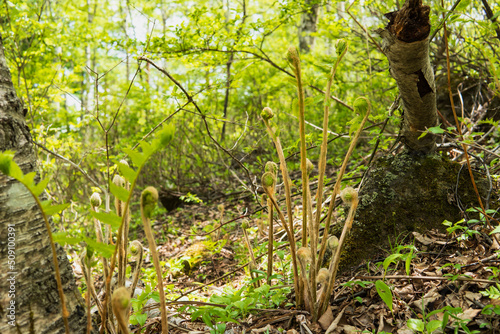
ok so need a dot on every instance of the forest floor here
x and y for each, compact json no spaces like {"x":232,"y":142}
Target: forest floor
{"x":437,"y":281}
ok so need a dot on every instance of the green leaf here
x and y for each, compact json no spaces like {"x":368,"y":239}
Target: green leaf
{"x":385,"y":293}
{"x":393,"y":258}
{"x":62,"y":238}
{"x":121,"y":193}
{"x":415,"y":324}
{"x":51,"y":210}
{"x":147,"y":149}
{"x":496,"y":230}
{"x":166,"y":135}
{"x":141,"y":318}
{"x":9,"y":167}
{"x":40,"y":187}
{"x":109,"y":218}
{"x":137,"y":158}
{"x":207,"y":319}
{"x":100,"y":248}
{"x":155,"y":296}
{"x":29,"y":180}
{"x":436,"y":130}
{"x":128,"y":173}
{"x":462,"y":5}
{"x":433,"y":325}
{"x":6,"y":162}
{"x":446,"y":316}
{"x":408,"y":262}
{"x":15,"y":171}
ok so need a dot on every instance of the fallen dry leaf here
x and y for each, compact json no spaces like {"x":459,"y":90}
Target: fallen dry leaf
{"x":326,"y":319}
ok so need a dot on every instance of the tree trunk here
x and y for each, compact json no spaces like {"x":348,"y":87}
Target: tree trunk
{"x":416,"y":190}
{"x":29,"y":301}
{"x":406,"y":45}
{"x":308,"y":26}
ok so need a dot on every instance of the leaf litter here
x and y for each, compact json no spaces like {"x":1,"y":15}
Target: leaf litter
{"x":446,"y":272}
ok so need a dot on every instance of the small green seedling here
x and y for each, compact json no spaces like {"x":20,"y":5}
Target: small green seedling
{"x":385,"y":293}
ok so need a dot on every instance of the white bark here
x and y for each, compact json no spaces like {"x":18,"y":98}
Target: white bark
{"x":406,"y":45}
{"x":308,"y":26}
{"x":28,"y":284}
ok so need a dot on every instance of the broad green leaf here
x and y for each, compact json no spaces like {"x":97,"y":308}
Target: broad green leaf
{"x":121,"y":193}
{"x":240,"y":304}
{"x":433,"y":325}
{"x":51,"y":210}
{"x":393,"y":258}
{"x":29,"y":180}
{"x":496,"y":230}
{"x":165,"y":136}
{"x":9,"y":167}
{"x":416,"y":325}
{"x":147,"y":149}
{"x":6,"y":159}
{"x":462,"y":5}
{"x":15,"y":171}
{"x":436,"y":130}
{"x":40,"y":187}
{"x":109,"y":218}
{"x":384,"y":292}
{"x":155,"y":296}
{"x":141,"y":318}
{"x":137,"y":158}
{"x":100,"y":248}
{"x":128,"y":173}
{"x":62,"y":238}
{"x":207,"y":319}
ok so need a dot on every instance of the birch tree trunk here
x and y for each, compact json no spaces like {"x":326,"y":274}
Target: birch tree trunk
{"x":29,"y":301}
{"x":308,"y":26}
{"x":406,"y":45}
{"x":415,"y":190}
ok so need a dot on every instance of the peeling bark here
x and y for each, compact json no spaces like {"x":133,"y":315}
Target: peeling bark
{"x":406,"y":45}
{"x":36,"y":300}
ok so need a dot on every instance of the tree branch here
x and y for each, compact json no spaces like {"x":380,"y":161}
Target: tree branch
{"x":203,"y":117}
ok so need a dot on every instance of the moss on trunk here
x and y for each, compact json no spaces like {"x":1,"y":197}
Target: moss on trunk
{"x":406,"y":193}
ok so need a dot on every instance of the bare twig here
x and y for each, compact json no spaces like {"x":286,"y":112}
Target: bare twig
{"x":203,"y":117}
{"x":74,"y":165}
{"x":430,"y":278}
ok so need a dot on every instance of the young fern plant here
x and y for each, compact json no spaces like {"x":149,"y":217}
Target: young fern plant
{"x":124,"y":195}
{"x":272,"y":168}
{"x":10,"y":168}
{"x":305,"y":288}
{"x":121,"y":212}
{"x":137,"y":252}
{"x":253,"y":263}
{"x":268,"y":182}
{"x":149,"y":199}
{"x":120,"y":303}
